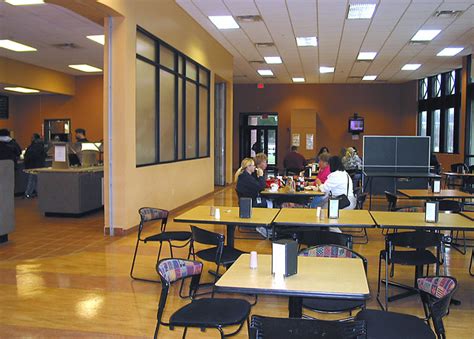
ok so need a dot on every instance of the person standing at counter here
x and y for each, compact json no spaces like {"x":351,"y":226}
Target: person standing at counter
{"x":9,"y":148}
{"x":35,"y":157}
{"x":294,"y":162}
{"x":81,"y":135}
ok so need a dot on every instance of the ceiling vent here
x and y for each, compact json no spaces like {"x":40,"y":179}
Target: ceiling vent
{"x":418,"y":43}
{"x":358,"y":77}
{"x":239,"y":76}
{"x":264,"y":44}
{"x":249,"y":18}
{"x":447,"y":14}
{"x":66,"y":46}
{"x":259,"y":62}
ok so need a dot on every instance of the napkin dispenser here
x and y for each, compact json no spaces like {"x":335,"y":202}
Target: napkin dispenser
{"x":431,"y":211}
{"x":436,"y":186}
{"x":245,"y":208}
{"x":333,"y":207}
{"x":284,"y":257}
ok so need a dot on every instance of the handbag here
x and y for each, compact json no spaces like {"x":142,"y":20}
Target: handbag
{"x":343,"y":199}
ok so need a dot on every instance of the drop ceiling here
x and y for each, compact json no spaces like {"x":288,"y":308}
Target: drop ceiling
{"x":340,"y":40}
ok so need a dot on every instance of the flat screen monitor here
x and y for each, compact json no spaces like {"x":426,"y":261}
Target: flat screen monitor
{"x":356,"y":125}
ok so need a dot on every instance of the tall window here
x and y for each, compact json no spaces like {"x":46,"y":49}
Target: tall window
{"x":439,"y":102}
{"x":172,"y":104}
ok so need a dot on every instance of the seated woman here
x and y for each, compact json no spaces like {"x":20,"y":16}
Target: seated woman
{"x":324,"y":170}
{"x":338,"y":182}
{"x":322,"y":150}
{"x":352,"y":163}
{"x":248,"y":185}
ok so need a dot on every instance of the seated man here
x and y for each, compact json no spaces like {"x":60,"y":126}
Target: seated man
{"x":294,"y":162}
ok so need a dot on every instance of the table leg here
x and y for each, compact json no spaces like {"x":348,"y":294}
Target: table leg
{"x":230,"y":235}
{"x":295,"y":307}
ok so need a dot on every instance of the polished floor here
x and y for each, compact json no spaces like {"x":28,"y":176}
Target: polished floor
{"x":61,"y":277}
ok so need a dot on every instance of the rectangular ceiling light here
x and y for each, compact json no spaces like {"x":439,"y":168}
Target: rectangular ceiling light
{"x":224,"y":21}
{"x":369,"y":77}
{"x":411,"y":67}
{"x":24,"y":2}
{"x":366,"y":55}
{"x":86,"y":68}
{"x":324,"y":69}
{"x":298,"y":79}
{"x":450,"y":51}
{"x":305,"y":41}
{"x":21,"y":89}
{"x":100,"y":39}
{"x":361,"y":11}
{"x":425,"y":34}
{"x":273,"y":60}
{"x":265,"y":72}
{"x":16,"y":46}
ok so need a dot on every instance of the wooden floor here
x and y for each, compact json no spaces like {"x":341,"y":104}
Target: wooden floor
{"x":61,"y":277}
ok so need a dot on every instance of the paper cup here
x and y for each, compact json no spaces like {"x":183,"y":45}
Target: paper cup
{"x":253,"y":260}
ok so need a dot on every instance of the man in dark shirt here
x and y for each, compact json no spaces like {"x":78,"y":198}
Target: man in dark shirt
{"x":9,"y":148}
{"x":81,"y":135}
{"x":294,"y":162}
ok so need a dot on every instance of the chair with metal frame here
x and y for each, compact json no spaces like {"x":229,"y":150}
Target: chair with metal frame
{"x":310,"y":237}
{"x":203,"y":313}
{"x":470,"y":264}
{"x":293,"y":328}
{"x":454,"y":206}
{"x":457,"y":168}
{"x":360,"y":200}
{"x":418,"y":256}
{"x":148,"y":215}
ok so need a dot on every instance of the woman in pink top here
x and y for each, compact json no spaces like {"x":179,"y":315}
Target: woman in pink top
{"x":324,"y":169}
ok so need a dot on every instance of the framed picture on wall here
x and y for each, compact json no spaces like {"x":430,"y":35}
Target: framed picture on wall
{"x":3,"y":107}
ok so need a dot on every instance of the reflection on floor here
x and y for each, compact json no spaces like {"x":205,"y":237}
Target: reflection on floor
{"x":61,"y":277}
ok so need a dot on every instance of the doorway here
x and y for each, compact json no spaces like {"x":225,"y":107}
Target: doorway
{"x":259,"y":133}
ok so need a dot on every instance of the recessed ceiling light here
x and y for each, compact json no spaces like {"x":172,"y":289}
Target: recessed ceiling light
{"x":86,"y":68}
{"x":265,"y":72}
{"x":425,"y":34}
{"x":273,"y":60}
{"x":324,"y":69}
{"x":411,"y":67}
{"x":361,"y":11}
{"x":366,"y":55}
{"x":369,"y":77}
{"x":21,"y":89}
{"x":305,"y":41}
{"x":450,"y":51}
{"x":100,"y":39}
{"x":16,"y":46}
{"x":24,"y":2}
{"x":224,"y":21}
{"x":298,"y":79}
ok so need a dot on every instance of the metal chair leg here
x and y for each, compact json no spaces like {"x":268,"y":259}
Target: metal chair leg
{"x":133,"y":261}
{"x":470,"y":265}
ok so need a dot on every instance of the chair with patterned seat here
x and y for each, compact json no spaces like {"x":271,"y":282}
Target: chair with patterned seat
{"x":149,"y":215}
{"x":200,"y":313}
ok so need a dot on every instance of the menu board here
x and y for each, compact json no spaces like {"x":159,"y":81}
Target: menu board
{"x":3,"y":107}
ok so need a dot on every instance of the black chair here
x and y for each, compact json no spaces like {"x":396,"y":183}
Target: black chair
{"x":470,"y":264}
{"x":454,"y":206}
{"x":457,"y":168}
{"x":418,"y":256}
{"x":148,"y":215}
{"x":310,"y":237}
{"x":360,"y":200}
{"x":200,"y":313}
{"x":327,"y":305}
{"x":250,"y":231}
{"x":392,"y":201}
{"x":294,"y":328}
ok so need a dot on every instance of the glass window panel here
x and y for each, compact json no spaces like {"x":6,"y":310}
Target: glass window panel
{"x":423,"y":123}
{"x":452,"y":82}
{"x":263,"y":120}
{"x":167,"y":116}
{"x":145,"y":114}
{"x":180,"y":118}
{"x":190,"y":120}
{"x":438,"y":85}
{"x":166,"y":57}
{"x":203,"y":77}
{"x":450,"y":131}
{"x":145,"y":46}
{"x":203,"y":122}
{"x":191,"y":70}
{"x":180,"y":65}
{"x":272,"y":147}
{"x":436,"y":130}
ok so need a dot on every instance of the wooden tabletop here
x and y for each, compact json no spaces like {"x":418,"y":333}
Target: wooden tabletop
{"x":316,"y":277}
{"x":414,"y":220}
{"x":468,"y":214}
{"x":455,"y":174}
{"x":66,"y":170}
{"x":285,"y":191}
{"x":428,"y":194}
{"x":307,"y":217}
{"x":229,"y":216}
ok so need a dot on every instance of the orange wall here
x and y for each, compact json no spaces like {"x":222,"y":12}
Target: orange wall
{"x":27,"y":112}
{"x":388,"y":109}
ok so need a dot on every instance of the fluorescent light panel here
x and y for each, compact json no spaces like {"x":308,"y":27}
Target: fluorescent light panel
{"x":265,"y":72}
{"x":425,"y":34}
{"x":24,"y":2}
{"x":305,"y":41}
{"x":273,"y":60}
{"x":361,"y":11}
{"x":16,"y":46}
{"x":366,"y":55}
{"x":21,"y":89}
{"x":411,"y":67}
{"x":324,"y":69}
{"x":100,"y":39}
{"x":224,"y":21}
{"x":450,"y":51}
{"x":369,"y":77}
{"x":298,"y":79}
{"x":85,"y":68}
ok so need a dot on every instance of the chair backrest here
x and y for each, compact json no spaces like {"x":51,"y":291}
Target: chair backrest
{"x":413,"y":239}
{"x":436,"y":293}
{"x":360,"y":201}
{"x":332,"y":251}
{"x":459,"y":167}
{"x":152,"y":214}
{"x":206,"y":237}
{"x":392,"y":200}
{"x":293,"y":328}
{"x":321,"y":237}
{"x":450,"y":206}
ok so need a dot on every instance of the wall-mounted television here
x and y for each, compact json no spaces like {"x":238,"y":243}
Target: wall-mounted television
{"x":356,"y":125}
